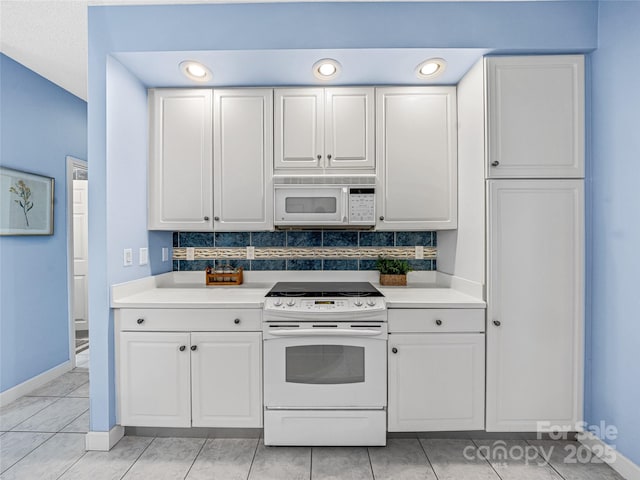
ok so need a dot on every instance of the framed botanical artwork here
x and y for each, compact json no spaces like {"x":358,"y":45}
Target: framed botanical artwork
{"x":26,"y":203}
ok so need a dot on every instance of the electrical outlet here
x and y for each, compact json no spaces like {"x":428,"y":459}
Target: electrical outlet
{"x":191,"y":253}
{"x":419,"y":252}
{"x":251,"y":253}
{"x":143,"y":256}
{"x":127,"y":255}
{"x":165,"y":254}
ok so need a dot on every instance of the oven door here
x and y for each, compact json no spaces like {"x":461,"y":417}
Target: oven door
{"x":310,"y":205}
{"x":337,"y":366}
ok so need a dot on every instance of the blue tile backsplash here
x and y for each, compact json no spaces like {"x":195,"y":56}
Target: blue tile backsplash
{"x":313,"y":238}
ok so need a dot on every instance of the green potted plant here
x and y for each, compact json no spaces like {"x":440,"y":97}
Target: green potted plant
{"x":393,"y":271}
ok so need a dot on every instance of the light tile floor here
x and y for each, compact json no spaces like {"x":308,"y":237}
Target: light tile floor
{"x":42,"y":437}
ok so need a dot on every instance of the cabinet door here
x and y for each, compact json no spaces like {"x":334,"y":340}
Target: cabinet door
{"x":436,"y":382}
{"x":349,"y":137}
{"x":416,"y":149}
{"x":243,"y":159}
{"x":154,"y":379}
{"x":535,"y":116}
{"x":299,"y":128}
{"x":226,"y":372}
{"x":180,"y":161}
{"x":535,"y":304}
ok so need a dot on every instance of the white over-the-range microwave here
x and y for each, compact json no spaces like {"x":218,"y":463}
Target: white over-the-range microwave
{"x":324,"y":201}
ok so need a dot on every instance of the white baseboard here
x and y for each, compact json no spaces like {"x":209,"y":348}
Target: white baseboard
{"x":104,"y":441}
{"x":617,"y":461}
{"x":34,"y":383}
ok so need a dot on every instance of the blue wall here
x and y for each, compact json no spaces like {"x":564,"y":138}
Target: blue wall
{"x":614,"y":350}
{"x":503,"y":26}
{"x":41,"y":124}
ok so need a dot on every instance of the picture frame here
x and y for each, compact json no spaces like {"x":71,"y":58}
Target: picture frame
{"x":26,"y":203}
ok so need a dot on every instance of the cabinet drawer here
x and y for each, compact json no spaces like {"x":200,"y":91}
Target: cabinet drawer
{"x":434,"y":320}
{"x":202,"y":320}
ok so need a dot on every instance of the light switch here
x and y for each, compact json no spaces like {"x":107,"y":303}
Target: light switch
{"x":165,"y":254}
{"x":191,"y":253}
{"x":419,"y":252}
{"x":143,"y":257}
{"x":251,"y":253}
{"x":127,"y":254}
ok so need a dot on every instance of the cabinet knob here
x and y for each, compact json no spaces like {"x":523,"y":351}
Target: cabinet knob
{"x":394,"y":350}
{"x":194,"y":348}
{"x":495,"y":163}
{"x":206,"y":219}
{"x":140,"y":321}
{"x":182,"y":348}
{"x":438,"y":322}
{"x":381,"y":217}
{"x":236,"y":321}
{"x":329,"y":157}
{"x":217,"y":219}
{"x":319,"y":156}
{"x":497,"y":323}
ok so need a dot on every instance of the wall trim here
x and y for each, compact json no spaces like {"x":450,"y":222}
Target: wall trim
{"x":104,"y":441}
{"x":620,"y":463}
{"x":33,"y":383}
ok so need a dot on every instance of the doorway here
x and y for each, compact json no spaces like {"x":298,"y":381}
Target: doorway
{"x":78,"y":255}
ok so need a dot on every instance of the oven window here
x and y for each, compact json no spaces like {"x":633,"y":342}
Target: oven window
{"x":310,"y":205}
{"x":325,"y":364}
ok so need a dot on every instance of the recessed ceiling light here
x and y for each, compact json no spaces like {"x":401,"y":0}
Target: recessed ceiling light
{"x":195,"y":71}
{"x":326,"y":69}
{"x":431,"y":68}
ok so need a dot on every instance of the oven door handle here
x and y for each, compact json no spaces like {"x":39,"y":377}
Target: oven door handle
{"x":326,"y":332}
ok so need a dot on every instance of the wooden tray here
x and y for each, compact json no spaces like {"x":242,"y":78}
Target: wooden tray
{"x":223,"y":278}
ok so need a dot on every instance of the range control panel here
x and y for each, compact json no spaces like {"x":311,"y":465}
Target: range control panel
{"x":316,"y":305}
{"x":362,"y":205}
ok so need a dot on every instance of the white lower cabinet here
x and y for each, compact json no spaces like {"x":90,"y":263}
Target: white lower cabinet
{"x":436,"y":380}
{"x":189,"y":379}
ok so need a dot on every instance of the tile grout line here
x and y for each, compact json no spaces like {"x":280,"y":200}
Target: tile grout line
{"x":310,"y":462}
{"x":71,"y":466}
{"x":196,"y":457}
{"x":137,"y":458}
{"x":427,"y":457}
{"x":255,"y":450}
{"x":65,"y":426}
{"x":373,"y":475}
{"x":34,"y":414}
{"x":545,"y":460}
{"x":28,"y":453}
{"x":485,"y":458}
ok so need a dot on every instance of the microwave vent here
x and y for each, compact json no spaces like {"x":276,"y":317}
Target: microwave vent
{"x":324,"y":180}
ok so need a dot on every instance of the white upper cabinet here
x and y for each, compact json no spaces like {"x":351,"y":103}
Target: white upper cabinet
{"x":535,"y":298}
{"x":180,"y":160}
{"x":535,"y":116}
{"x":324,"y":130}
{"x":243,"y":159}
{"x":417,"y":155}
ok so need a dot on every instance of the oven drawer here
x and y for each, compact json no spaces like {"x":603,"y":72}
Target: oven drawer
{"x":435,"y":320}
{"x":193,"y":319}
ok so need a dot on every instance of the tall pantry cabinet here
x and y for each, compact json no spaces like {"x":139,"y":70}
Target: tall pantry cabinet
{"x":535,"y":241}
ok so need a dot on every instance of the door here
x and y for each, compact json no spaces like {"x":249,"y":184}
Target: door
{"x":304,"y":368}
{"x":349,"y":128}
{"x":243,"y":159}
{"x":180,"y":160}
{"x":417,"y":153}
{"x":226,"y":373}
{"x":535,"y":297}
{"x":535,"y":116}
{"x":80,"y":255}
{"x":154,"y":379}
{"x":298,"y":128}
{"x":436,"y":382}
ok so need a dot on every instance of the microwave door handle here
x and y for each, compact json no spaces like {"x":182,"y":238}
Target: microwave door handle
{"x":345,"y":204}
{"x":326,"y":332}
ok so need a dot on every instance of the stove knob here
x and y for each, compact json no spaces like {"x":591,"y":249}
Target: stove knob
{"x":277,"y":302}
{"x":291,"y":303}
{"x":371,"y":303}
{"x":357,"y":303}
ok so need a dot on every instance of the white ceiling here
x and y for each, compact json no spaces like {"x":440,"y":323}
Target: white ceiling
{"x":50,"y":38}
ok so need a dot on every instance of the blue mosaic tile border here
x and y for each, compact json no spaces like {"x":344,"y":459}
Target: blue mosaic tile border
{"x":313,"y":238}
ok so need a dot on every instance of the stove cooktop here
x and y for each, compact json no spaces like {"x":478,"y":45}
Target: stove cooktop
{"x":323,"y":289}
